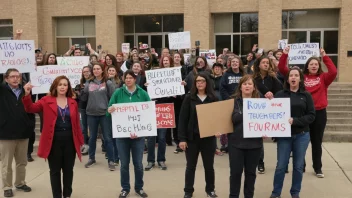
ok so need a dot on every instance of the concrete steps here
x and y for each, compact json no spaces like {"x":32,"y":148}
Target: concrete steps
{"x":339,"y":108}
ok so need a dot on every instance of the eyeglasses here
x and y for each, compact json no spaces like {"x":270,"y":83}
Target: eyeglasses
{"x":14,"y":77}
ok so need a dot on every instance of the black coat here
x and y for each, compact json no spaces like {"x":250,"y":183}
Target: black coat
{"x":188,"y":120}
{"x":15,"y":122}
{"x":268,"y":84}
{"x":302,"y":109}
{"x":236,"y":138}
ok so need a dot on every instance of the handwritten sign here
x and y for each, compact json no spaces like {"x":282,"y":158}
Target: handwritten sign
{"x":80,"y":61}
{"x":164,"y":82}
{"x":263,"y":117}
{"x":45,"y":75}
{"x":134,"y":118}
{"x":19,"y":54}
{"x":125,"y":48}
{"x":210,"y":56}
{"x":301,"y":52}
{"x":165,"y":115}
{"x":282,"y":44}
{"x":180,"y":40}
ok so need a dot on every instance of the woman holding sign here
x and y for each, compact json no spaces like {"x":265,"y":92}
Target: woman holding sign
{"x":302,"y":115}
{"x":202,"y":92}
{"x":62,"y":136}
{"x":316,"y":82}
{"x":130,"y":93}
{"x":244,"y":153}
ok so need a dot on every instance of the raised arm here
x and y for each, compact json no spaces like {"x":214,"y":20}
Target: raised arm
{"x":329,"y":76}
{"x":31,"y":107}
{"x":283,"y":62}
{"x":69,"y":52}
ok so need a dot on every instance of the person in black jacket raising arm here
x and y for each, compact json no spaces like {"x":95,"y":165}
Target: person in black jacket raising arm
{"x":202,"y":92}
{"x":302,"y":114}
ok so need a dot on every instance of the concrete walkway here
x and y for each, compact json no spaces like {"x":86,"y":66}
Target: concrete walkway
{"x":98,"y":181}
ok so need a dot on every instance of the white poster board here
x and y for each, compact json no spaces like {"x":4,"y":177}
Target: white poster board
{"x":164,"y":82}
{"x":301,"y":52}
{"x":19,"y":54}
{"x":210,"y":56}
{"x":180,"y":40}
{"x":45,"y":75}
{"x":282,"y":44}
{"x":125,"y":48}
{"x":264,"y":117}
{"x":80,"y":61}
{"x":134,"y":118}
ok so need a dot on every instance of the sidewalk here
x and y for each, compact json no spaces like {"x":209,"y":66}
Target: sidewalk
{"x":98,"y":181}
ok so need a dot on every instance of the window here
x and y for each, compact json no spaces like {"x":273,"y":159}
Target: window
{"x":313,"y":26}
{"x":74,"y":30}
{"x":6,"y":29}
{"x":151,"y":29}
{"x":236,"y":31}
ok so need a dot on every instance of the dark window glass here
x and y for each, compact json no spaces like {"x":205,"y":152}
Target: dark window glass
{"x":142,"y":40}
{"x":166,"y":41}
{"x":6,"y":22}
{"x":130,"y":39}
{"x":284,"y":35}
{"x":236,"y":44}
{"x":297,"y":37}
{"x":315,"y":37}
{"x":62,"y":45}
{"x":156,"y":42}
{"x":284,"y":20}
{"x":6,"y":31}
{"x":247,"y":42}
{"x":128,"y":24}
{"x":331,"y":40}
{"x":173,"y":23}
{"x":222,"y":41}
{"x":236,"y":22}
{"x":148,"y":23}
{"x":249,"y":22}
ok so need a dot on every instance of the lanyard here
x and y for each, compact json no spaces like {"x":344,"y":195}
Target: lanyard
{"x":63,"y":113}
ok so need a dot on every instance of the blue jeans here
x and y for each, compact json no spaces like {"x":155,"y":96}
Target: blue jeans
{"x":298,"y":144}
{"x":93,"y":123}
{"x":126,"y":146}
{"x":161,"y":146}
{"x":84,"y":125}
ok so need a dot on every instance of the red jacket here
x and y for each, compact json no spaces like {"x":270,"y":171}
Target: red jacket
{"x":48,"y":106}
{"x":316,"y":85}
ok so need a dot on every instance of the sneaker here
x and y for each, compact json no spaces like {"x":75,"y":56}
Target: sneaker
{"x":150,"y":166}
{"x":141,"y":193}
{"x":211,"y":194}
{"x":8,"y":193}
{"x":85,"y":149}
{"x":111,"y":166}
{"x":29,"y":158}
{"x":319,"y":174}
{"x":162,"y":165}
{"x":90,"y":163}
{"x":261,"y":168}
{"x":273,"y":196}
{"x":187,"y":195}
{"x":124,"y":194}
{"x":24,"y":188}
{"x":178,"y":150}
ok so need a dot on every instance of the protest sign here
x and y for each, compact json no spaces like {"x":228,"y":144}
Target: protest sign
{"x":301,"y":52}
{"x":215,"y":118}
{"x":79,"y":61}
{"x":125,"y":48}
{"x":282,"y":44}
{"x":180,"y":40}
{"x":264,"y":117}
{"x":164,"y":82}
{"x":19,"y":54}
{"x":165,"y":115}
{"x":210,"y":56}
{"x":186,"y":59}
{"x":45,"y":75}
{"x":134,"y":118}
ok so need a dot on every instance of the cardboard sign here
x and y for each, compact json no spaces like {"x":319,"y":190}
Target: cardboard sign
{"x":180,"y":40}
{"x":301,"y":52}
{"x":134,"y":118}
{"x":78,"y":61}
{"x":125,"y":48}
{"x":215,"y":118}
{"x":282,"y":44}
{"x":210,"y":56}
{"x":264,"y":117}
{"x":164,"y":82}
{"x":19,"y":54}
{"x":45,"y":75}
{"x":165,"y":115}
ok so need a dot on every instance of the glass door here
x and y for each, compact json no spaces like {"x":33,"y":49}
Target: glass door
{"x":156,"y":42}
{"x":144,"y":39}
{"x":297,"y":37}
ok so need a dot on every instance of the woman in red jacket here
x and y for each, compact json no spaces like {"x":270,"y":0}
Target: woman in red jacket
{"x":316,"y":83}
{"x":61,"y":137}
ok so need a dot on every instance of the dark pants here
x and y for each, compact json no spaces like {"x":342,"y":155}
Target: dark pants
{"x":32,"y":137}
{"x":316,"y":137}
{"x":168,"y":137}
{"x":261,"y":158}
{"x":126,"y":146}
{"x":161,"y":147}
{"x":206,"y":146}
{"x":240,"y":159}
{"x":84,"y":125}
{"x":62,"y":157}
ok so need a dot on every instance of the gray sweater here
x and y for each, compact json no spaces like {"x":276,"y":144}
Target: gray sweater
{"x":97,"y":94}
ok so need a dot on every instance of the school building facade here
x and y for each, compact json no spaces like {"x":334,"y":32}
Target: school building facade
{"x":55,"y":25}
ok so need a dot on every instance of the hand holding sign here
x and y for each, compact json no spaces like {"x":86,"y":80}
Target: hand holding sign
{"x":322,"y":52}
{"x":290,"y":121}
{"x":27,"y":88}
{"x":111,"y":109}
{"x":269,"y":95}
{"x":286,"y":50}
{"x":133,"y":136}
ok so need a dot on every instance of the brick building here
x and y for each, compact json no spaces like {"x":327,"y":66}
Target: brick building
{"x":236,"y":24}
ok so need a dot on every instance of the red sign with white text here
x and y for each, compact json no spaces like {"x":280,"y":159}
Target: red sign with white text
{"x":165,"y":115}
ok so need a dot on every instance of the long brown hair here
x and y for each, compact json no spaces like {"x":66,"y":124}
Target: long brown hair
{"x":116,"y":77}
{"x":206,"y":67}
{"x":306,"y":71}
{"x":162,"y":61}
{"x":83,"y":80}
{"x":238,"y":92}
{"x":55,"y":84}
{"x":103,"y":75}
{"x":241,"y":68}
{"x":271,"y":71}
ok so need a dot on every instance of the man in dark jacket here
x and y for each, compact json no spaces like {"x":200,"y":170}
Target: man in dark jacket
{"x":15,"y":129}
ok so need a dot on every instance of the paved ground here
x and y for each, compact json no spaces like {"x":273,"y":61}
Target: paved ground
{"x":98,"y":181}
